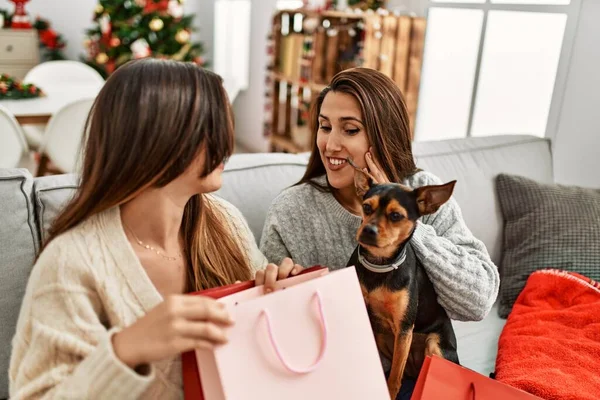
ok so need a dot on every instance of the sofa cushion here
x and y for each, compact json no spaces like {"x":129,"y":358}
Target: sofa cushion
{"x":51,"y":194}
{"x":475,"y":163}
{"x":547,"y":226}
{"x":477,"y":342}
{"x":252,"y":181}
{"x":18,"y":247}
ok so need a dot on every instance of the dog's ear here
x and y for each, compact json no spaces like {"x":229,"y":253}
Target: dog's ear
{"x":431,"y":198}
{"x":362,"y":182}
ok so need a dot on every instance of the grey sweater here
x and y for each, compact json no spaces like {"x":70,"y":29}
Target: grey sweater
{"x":312,"y":228}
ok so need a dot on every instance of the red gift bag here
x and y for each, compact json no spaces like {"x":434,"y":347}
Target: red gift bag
{"x":192,"y":387}
{"x":442,"y":379}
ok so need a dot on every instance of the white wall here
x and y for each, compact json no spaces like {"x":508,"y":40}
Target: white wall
{"x":72,"y":17}
{"x":249,"y":105}
{"x":577,"y":142}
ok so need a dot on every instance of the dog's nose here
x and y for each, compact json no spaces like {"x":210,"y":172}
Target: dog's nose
{"x":370,"y":230}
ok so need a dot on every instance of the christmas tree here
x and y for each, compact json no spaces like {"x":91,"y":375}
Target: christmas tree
{"x":130,"y":29}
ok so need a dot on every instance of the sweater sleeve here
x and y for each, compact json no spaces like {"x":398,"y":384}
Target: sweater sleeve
{"x":271,"y":242}
{"x":61,"y":348}
{"x":458,"y":264}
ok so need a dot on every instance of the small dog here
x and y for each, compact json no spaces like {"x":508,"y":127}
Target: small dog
{"x":407,"y":321}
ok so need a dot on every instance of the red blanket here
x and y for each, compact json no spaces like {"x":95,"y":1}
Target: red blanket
{"x":550,"y":346}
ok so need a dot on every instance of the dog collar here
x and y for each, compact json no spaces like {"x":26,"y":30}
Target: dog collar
{"x":382,"y":269}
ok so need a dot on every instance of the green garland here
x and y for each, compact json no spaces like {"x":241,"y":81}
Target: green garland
{"x":13,"y":89}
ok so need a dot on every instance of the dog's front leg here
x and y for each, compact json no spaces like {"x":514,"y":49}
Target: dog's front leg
{"x":402,"y":342}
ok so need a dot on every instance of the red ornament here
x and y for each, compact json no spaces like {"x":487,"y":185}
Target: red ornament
{"x":110,"y":67}
{"x":156,"y":6}
{"x":20,"y":19}
{"x":114,"y":41}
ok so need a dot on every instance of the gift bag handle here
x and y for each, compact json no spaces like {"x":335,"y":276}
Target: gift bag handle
{"x":287,"y":366}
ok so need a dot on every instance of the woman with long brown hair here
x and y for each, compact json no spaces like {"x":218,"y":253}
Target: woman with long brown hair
{"x":362,"y":115}
{"x":104,"y":315}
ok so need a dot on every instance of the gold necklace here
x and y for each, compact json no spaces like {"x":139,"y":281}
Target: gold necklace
{"x":148,"y":247}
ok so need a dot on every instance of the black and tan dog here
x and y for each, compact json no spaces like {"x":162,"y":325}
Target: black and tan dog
{"x":406,"y":318}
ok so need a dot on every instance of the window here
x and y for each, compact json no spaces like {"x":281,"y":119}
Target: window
{"x":494,"y":67}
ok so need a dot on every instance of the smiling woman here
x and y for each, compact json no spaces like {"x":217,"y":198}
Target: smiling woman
{"x":362,"y":116}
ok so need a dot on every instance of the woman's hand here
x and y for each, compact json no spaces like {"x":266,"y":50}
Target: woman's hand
{"x":273,"y":273}
{"x":373,"y":169}
{"x":179,"y":324}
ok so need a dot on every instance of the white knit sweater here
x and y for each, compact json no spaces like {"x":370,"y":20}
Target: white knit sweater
{"x":86,"y":285}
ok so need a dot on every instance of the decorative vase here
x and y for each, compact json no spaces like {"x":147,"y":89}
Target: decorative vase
{"x":20,"y":19}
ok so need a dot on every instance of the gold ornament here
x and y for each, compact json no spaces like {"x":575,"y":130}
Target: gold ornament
{"x":182,"y":36}
{"x":102,"y":58}
{"x":99,"y":9}
{"x":156,"y":24}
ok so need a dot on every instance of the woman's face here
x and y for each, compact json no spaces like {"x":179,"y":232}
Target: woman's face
{"x":341,"y":134}
{"x":192,"y":179}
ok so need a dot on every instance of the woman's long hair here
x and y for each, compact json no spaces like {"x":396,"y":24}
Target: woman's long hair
{"x":385,"y":117}
{"x":148,"y":124}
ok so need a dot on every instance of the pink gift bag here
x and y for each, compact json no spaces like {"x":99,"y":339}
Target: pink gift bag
{"x":310,"y":339}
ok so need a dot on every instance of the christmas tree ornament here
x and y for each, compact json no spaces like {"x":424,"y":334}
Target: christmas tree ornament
{"x":102,"y":58}
{"x":20,"y":19}
{"x":156,"y":24}
{"x":140,"y":3}
{"x":105,"y":25}
{"x":140,"y":48}
{"x":110,"y":67}
{"x":114,"y":41}
{"x":182,"y":36}
{"x":99,"y":9}
{"x":175,"y":9}
{"x":93,"y":49}
{"x":153,"y":6}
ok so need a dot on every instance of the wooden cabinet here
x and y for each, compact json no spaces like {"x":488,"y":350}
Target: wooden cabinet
{"x":19,"y":51}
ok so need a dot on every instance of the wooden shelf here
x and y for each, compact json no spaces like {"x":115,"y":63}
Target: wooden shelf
{"x":286,"y":144}
{"x":389,"y":43}
{"x":315,"y":87}
{"x":327,"y":14}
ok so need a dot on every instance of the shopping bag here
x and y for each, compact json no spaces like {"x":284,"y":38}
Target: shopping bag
{"x":443,"y":379}
{"x":309,"y":340}
{"x":192,"y":385}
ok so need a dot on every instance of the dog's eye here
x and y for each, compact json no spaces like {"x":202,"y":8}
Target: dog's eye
{"x":396,"y":216}
{"x":367,"y":209}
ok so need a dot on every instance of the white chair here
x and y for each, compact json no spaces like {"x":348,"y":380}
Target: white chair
{"x":61,"y":143}
{"x":13,"y":146}
{"x":52,"y":73}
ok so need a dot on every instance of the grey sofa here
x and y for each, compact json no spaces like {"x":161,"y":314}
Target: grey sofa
{"x":251,"y":181}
